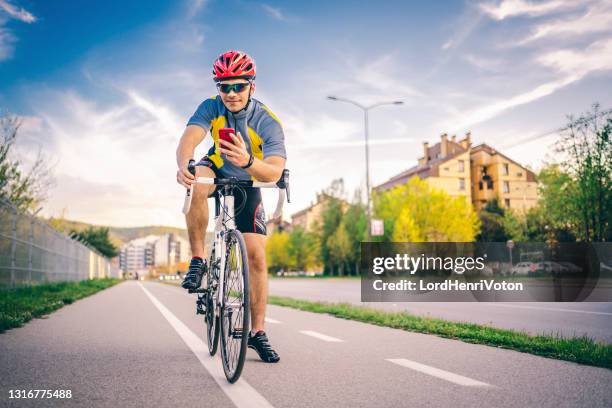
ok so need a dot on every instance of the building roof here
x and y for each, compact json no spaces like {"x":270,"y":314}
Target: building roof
{"x":423,"y":171}
{"x":488,"y":149}
{"x":433,"y":164}
{"x":320,"y":198}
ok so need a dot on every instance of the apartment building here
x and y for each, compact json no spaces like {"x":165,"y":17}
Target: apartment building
{"x":475,"y":173}
{"x":154,"y":250}
{"x":308,"y":217}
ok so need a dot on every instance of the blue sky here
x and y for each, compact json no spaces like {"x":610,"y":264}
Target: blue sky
{"x":105,"y":88}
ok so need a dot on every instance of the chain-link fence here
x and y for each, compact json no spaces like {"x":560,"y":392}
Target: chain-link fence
{"x":32,"y":251}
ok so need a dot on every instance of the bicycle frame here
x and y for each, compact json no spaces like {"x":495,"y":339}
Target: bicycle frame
{"x":225,"y":220}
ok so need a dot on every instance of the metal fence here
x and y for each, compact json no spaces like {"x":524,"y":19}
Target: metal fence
{"x":32,"y":251}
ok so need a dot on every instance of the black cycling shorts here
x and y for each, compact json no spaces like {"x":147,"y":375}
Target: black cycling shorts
{"x":252,"y":217}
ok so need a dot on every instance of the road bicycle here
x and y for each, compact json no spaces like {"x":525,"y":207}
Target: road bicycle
{"x":224,"y":297}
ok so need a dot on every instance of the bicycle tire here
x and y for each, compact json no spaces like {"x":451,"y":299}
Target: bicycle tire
{"x":235,"y":316}
{"x":212,"y":321}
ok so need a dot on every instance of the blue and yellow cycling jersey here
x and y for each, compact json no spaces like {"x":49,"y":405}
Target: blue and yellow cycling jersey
{"x":260,"y":128}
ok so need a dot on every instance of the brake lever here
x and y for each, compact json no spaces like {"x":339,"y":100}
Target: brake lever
{"x":283,"y":183}
{"x":187,"y":203}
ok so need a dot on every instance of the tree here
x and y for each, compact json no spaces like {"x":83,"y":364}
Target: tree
{"x":331,"y":218}
{"x":416,"y":212}
{"x":25,"y":190}
{"x":97,"y":238}
{"x":303,"y":249}
{"x":586,"y":144}
{"x":355,"y":223}
{"x":339,"y":247}
{"x":277,"y":255}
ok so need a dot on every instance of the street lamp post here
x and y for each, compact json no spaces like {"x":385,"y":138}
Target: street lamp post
{"x":366,"y":109}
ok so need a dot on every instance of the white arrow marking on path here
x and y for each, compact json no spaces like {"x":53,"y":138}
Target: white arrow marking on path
{"x":241,"y":393}
{"x":436,"y":372}
{"x":270,"y":320}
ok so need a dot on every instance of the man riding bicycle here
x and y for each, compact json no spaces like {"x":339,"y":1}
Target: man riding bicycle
{"x":257,"y":153}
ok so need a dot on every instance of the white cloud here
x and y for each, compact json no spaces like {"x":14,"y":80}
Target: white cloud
{"x":274,"y":12}
{"x":130,"y":144}
{"x":573,"y":65}
{"x":7,"y":39}
{"x":489,"y":111}
{"x":484,"y":64}
{"x":16,"y":13}
{"x":195,"y":6}
{"x":578,"y":63}
{"x":513,"y":8}
{"x":597,"y":18}
{"x":381,"y":78}
{"x":169,"y":120}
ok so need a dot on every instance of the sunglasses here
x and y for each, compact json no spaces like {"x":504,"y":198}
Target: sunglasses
{"x":227,"y":88}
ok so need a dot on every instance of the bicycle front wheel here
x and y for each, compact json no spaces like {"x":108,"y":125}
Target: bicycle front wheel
{"x":235,"y":312}
{"x":212,"y":321}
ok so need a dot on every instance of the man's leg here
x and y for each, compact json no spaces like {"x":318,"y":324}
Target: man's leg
{"x":258,"y":281}
{"x":197,"y":221}
{"x":258,"y":278}
{"x":197,"y":217}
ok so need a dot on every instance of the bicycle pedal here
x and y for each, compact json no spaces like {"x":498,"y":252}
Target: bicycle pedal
{"x":237,"y":333}
{"x":198,"y":290}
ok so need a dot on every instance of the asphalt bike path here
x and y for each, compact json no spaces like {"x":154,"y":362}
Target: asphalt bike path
{"x":141,"y":344}
{"x":111,"y":349}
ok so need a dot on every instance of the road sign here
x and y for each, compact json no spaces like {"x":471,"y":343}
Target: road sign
{"x":378,"y":228}
{"x":510,"y":244}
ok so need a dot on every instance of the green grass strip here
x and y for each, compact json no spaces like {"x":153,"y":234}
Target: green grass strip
{"x":23,"y":303}
{"x":583,"y":350}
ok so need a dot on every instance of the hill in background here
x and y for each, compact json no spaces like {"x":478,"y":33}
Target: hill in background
{"x":118,"y":235}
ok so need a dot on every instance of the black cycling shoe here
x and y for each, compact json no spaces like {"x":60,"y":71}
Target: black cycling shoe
{"x":259,"y":342}
{"x":193,"y":277}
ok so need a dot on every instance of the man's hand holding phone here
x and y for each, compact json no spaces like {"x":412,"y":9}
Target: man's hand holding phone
{"x":233,"y":147}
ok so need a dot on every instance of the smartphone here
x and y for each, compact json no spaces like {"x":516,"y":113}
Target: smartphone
{"x":224,"y":134}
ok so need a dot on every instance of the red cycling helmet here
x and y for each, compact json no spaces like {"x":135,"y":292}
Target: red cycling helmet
{"x":232,"y":65}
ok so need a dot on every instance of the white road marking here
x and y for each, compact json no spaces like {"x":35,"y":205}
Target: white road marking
{"x":553,"y":309}
{"x":240,"y":393}
{"x":270,"y":320}
{"x":436,"y":372}
{"x":320,"y":336}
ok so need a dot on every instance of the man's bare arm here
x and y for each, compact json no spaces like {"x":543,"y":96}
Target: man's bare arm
{"x":192,"y":137}
{"x":268,"y":169}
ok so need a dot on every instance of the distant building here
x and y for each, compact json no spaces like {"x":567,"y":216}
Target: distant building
{"x":154,"y":250}
{"x":277,"y":224}
{"x":170,"y":249}
{"x":477,"y":173}
{"x":308,"y":217}
{"x":137,"y":254}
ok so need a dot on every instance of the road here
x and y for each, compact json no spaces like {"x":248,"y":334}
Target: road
{"x":140,"y":344}
{"x":570,"y":319}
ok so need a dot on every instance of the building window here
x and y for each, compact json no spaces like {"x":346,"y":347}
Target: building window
{"x":506,"y":187}
{"x":461,"y":184}
{"x":490,"y":184}
{"x":461,"y":167}
{"x":480,"y":185}
{"x":519,"y":174}
{"x":507,"y":202}
{"x":446,"y":169}
{"x":506,"y":169}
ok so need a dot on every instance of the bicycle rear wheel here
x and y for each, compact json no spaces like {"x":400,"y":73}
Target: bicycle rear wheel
{"x":235,"y":313}
{"x":212,"y":321}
